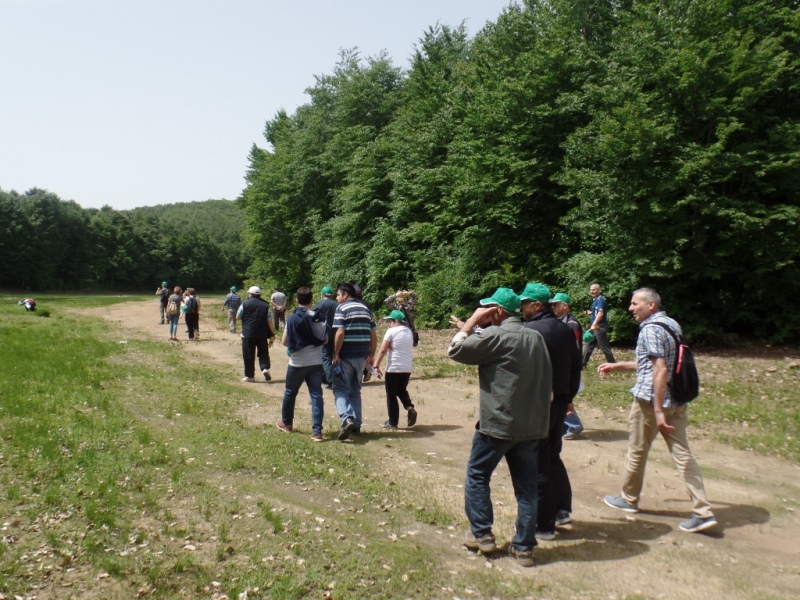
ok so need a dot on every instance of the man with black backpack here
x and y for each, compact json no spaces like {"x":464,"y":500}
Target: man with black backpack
{"x":656,"y":409}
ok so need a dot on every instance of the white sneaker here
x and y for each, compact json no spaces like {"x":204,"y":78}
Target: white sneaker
{"x":267,"y":376}
{"x":249,"y":380}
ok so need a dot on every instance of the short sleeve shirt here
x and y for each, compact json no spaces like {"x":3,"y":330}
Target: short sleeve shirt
{"x":356,"y":320}
{"x":279,"y":298}
{"x":598,"y":305}
{"x":400,"y":358}
{"x":654,"y":342}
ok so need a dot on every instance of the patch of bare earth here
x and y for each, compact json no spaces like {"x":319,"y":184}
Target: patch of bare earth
{"x":754,"y":553}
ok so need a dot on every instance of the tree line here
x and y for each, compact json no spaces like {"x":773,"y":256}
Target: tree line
{"x":571,"y":141}
{"x":47,"y":243}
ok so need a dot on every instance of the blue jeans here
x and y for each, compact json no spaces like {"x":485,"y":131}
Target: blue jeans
{"x":347,"y":390}
{"x":522,"y":459}
{"x":312,"y":376}
{"x":572,"y":424}
{"x":173,"y":324}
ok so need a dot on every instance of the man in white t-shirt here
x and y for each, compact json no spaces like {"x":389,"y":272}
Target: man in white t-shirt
{"x":278,"y":302}
{"x":398,"y":343}
{"x":304,"y":337}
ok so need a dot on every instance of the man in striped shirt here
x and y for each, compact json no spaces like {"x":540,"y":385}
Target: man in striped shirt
{"x":354,"y":348}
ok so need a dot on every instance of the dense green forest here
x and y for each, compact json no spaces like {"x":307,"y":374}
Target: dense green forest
{"x":630,"y":143}
{"x":47,"y":243}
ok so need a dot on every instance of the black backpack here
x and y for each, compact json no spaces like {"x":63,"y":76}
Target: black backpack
{"x":414,"y":334}
{"x":684,"y":384}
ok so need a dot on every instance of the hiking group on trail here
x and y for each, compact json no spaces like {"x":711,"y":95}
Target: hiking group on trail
{"x":529,"y":355}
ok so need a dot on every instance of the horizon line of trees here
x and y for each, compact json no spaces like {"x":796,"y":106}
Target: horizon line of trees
{"x":47,"y":243}
{"x":629,"y":143}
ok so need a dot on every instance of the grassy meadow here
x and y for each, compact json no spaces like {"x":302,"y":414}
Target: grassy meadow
{"x":127,"y":471}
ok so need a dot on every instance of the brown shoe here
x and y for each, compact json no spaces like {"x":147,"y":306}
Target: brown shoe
{"x":484,"y":544}
{"x":524,"y":557}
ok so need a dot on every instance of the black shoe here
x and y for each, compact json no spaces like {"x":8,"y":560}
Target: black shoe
{"x":412,"y":417}
{"x":347,"y":429}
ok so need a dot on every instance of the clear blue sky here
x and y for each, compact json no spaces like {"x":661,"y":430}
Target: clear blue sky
{"x":152,"y":102}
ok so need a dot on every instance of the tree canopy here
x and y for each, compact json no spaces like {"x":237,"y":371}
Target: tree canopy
{"x":570,"y":141}
{"x":51,"y":244}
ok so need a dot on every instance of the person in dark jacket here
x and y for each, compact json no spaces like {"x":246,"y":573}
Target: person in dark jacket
{"x":514,"y":375}
{"x":555,"y":492}
{"x":327,"y":307}
{"x":561,"y":303}
{"x":257,"y":331}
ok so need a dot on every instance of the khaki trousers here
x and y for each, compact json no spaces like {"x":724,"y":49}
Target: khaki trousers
{"x":642,"y":431}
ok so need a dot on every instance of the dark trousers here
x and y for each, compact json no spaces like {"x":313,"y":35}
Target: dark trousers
{"x":249,"y":348}
{"x":521,"y":456}
{"x":555,"y":491}
{"x":396,"y":384}
{"x":327,"y":361}
{"x":192,"y":321}
{"x":600,"y":339}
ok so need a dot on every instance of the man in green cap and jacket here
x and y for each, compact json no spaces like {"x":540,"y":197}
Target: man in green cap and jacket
{"x":515,"y":391}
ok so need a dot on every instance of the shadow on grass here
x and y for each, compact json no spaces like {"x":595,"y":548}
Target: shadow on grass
{"x":595,"y":542}
{"x":600,"y":435}
{"x":403,"y":432}
{"x":729,"y":516}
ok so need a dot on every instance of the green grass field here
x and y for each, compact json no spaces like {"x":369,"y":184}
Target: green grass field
{"x":112,"y":469}
{"x":125,"y":470}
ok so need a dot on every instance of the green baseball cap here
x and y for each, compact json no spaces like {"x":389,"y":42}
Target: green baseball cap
{"x":536,"y":292}
{"x":327,"y":290}
{"x":397,"y":315}
{"x":505,"y":298}
{"x":561,"y":297}
{"x":163,"y":283}
{"x":233,"y":288}
{"x":588,"y":336}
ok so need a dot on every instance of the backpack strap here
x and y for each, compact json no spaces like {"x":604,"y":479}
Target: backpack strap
{"x":673,"y":335}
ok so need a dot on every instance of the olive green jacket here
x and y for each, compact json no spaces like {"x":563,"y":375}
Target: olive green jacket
{"x":515,"y":379}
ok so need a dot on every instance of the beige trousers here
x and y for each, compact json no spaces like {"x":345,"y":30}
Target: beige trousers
{"x":642,"y":431}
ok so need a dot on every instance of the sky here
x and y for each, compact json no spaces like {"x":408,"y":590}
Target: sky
{"x":129,"y":104}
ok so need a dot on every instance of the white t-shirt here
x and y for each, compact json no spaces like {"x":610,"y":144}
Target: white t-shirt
{"x":400,"y":356}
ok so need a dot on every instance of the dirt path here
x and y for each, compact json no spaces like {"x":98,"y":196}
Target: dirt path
{"x":755,"y":552}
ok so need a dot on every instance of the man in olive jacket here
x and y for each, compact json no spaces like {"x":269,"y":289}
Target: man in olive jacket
{"x":515,"y":391}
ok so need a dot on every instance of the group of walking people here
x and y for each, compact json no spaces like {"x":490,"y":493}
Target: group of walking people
{"x":176,"y":302}
{"x":331,"y":344}
{"x":530,"y":351}
{"x":529,"y":373}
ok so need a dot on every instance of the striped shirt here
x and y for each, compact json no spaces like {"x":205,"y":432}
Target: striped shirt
{"x":654,"y":342}
{"x":356,"y":320}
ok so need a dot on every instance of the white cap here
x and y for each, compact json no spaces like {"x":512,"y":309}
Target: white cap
{"x":255,"y":290}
